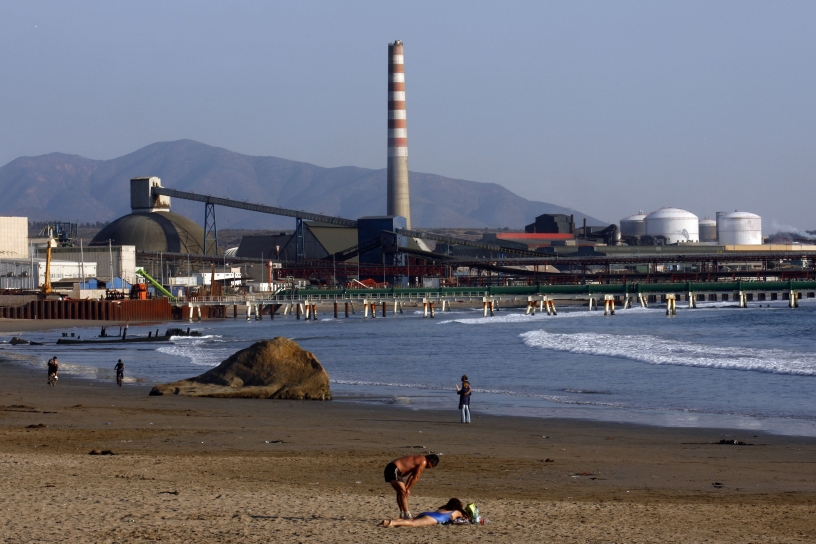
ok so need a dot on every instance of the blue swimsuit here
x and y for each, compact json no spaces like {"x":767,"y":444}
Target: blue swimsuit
{"x":440,"y":517}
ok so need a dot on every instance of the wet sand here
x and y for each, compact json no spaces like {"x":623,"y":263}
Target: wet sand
{"x":233,"y":470}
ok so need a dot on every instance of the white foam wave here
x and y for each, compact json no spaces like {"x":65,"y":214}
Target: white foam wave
{"x":660,"y":351}
{"x":520,"y":317}
{"x":196,"y":353}
{"x":195,"y":339}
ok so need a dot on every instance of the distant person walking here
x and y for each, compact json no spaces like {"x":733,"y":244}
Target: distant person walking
{"x":464,"y":399}
{"x":120,"y":372}
{"x":53,"y":369}
{"x":404,"y":473}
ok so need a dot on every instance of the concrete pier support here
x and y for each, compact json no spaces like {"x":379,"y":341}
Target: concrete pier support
{"x":489,"y":306}
{"x":609,"y":305}
{"x":793,"y":299}
{"x":671,"y":305}
{"x":298,"y":309}
{"x":591,"y":300}
{"x":424,"y":308}
{"x":347,"y":309}
{"x":552,"y":307}
{"x":258,"y":315}
{"x":433,"y":314}
{"x":336,"y":315}
{"x":234,"y":311}
{"x":531,"y":304}
{"x":248,"y":311}
{"x":692,"y":300}
{"x":743,"y":300}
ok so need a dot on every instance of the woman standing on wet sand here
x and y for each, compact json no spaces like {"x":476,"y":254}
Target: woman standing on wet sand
{"x":464,"y":399}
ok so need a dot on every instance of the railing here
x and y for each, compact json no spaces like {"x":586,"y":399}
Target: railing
{"x":581,"y":291}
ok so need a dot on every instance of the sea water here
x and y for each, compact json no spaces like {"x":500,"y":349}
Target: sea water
{"x":715,"y":366}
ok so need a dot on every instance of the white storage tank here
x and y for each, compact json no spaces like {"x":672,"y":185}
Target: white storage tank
{"x":708,"y":230}
{"x":673,"y":225}
{"x":634,"y":225}
{"x":739,"y":228}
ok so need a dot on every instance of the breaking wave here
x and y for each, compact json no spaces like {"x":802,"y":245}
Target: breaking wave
{"x":660,"y":351}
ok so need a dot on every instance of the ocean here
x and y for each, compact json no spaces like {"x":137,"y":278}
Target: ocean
{"x":751,"y":368}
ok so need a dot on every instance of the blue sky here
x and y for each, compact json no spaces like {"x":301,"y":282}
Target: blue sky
{"x":607,"y":107}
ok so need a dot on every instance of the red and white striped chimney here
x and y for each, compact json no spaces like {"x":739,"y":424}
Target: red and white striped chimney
{"x":399,"y":191}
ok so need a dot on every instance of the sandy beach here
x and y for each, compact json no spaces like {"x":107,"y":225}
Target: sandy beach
{"x":219,"y":470}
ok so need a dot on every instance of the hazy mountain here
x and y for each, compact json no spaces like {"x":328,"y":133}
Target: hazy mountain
{"x":70,"y":187}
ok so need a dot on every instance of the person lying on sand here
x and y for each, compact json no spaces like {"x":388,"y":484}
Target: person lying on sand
{"x":445,"y":514}
{"x":403,"y":473}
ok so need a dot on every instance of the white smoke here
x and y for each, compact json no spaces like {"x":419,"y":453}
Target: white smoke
{"x":782,"y":228}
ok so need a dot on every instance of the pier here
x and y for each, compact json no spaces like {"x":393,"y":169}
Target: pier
{"x":304,"y":303}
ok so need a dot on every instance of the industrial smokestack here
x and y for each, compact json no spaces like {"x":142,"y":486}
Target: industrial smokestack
{"x":399,"y":191}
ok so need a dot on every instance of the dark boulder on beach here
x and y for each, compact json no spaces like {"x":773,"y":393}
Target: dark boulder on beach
{"x":271,"y":369}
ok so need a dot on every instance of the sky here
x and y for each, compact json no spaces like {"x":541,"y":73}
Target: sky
{"x":605,"y":107}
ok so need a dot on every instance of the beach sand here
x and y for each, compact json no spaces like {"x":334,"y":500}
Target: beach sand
{"x":233,"y":470}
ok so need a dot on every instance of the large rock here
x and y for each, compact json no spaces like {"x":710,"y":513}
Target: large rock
{"x":272,"y":369}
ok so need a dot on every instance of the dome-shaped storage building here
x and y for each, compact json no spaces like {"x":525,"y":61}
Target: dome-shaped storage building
{"x":634,"y":225}
{"x":708,"y":230}
{"x":151,"y":226}
{"x":739,"y":228}
{"x":672,"y":225}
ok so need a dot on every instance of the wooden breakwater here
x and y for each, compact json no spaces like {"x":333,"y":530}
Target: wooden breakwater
{"x":157,"y":309}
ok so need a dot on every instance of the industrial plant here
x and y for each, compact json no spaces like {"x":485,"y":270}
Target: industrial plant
{"x":153,"y":254}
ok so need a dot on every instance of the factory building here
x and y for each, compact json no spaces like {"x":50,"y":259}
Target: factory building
{"x":399,"y":190}
{"x":151,"y":226}
{"x":738,"y":228}
{"x":319,"y":241}
{"x":558,"y":223}
{"x":13,"y":237}
{"x":107,"y":262}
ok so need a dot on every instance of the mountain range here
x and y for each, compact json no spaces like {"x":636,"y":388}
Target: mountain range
{"x":65,"y":187}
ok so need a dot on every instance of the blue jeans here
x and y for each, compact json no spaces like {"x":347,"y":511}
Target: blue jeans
{"x":465,"y":409}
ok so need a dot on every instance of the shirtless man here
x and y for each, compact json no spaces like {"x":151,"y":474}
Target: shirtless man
{"x":403,"y":473}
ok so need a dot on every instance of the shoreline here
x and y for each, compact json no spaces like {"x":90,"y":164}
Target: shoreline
{"x":378,"y":395}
